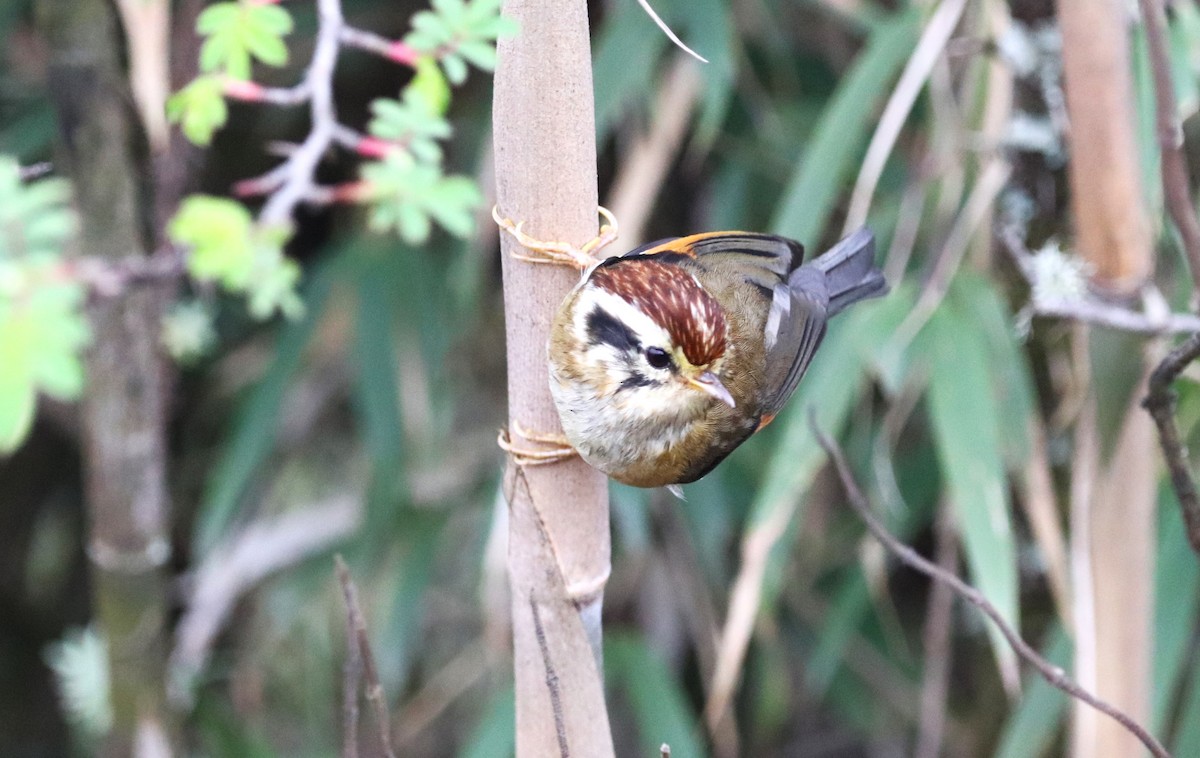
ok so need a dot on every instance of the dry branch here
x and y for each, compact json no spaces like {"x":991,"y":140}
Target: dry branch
{"x":1160,"y":402}
{"x":1051,"y":673}
{"x":1170,"y":137}
{"x":356,"y":626}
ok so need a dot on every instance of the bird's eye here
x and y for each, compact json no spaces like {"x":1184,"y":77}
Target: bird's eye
{"x":657,"y":357}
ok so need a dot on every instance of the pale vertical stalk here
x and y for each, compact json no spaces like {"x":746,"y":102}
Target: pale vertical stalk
{"x":1113,"y":233}
{"x":544,"y":134}
{"x":1111,"y":226}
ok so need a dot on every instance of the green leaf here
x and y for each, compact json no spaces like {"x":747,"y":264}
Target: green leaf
{"x":227,"y":247}
{"x":17,"y":396}
{"x":187,"y":331}
{"x":832,"y":153}
{"x":236,"y":33}
{"x":456,"y":68}
{"x":35,"y":217}
{"x":481,"y":55}
{"x":655,"y":694}
{"x":406,"y":195}
{"x":415,"y":118}
{"x":625,"y":42}
{"x":494,"y":736}
{"x":219,"y":232}
{"x":42,"y":331}
{"x":1012,"y":379}
{"x":375,"y":349}
{"x":965,"y":417}
{"x":199,"y":108}
{"x":1177,"y":578}
{"x":428,"y":85}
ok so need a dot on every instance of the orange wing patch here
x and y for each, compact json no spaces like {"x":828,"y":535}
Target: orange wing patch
{"x":763,"y":422}
{"x":686,"y":245}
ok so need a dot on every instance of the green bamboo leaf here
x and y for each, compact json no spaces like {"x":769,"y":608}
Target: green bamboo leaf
{"x":709,"y":28}
{"x":375,"y":389}
{"x":625,"y":42}
{"x":964,"y":415}
{"x":1187,"y":735}
{"x":256,"y":422}
{"x":831,"y":155}
{"x":659,"y":704}
{"x":1177,"y":600}
{"x":411,"y":560}
{"x":494,"y":736}
{"x":1012,"y":379}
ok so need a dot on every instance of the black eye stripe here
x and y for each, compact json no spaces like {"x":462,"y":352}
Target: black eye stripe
{"x":604,"y":328}
{"x":635,"y":380}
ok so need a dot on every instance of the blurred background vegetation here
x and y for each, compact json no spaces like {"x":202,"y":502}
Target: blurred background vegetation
{"x":959,"y":412}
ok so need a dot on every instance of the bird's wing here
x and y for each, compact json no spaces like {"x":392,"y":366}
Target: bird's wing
{"x":764,"y":260}
{"x":801,"y":329}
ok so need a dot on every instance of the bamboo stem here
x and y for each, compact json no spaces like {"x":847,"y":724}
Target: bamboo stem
{"x":124,"y":441}
{"x":544,"y":132}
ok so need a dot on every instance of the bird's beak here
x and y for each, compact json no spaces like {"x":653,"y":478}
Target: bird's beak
{"x":708,"y":383}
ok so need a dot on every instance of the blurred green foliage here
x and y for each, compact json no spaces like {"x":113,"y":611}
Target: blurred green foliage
{"x":389,"y":384}
{"x":41,"y":324}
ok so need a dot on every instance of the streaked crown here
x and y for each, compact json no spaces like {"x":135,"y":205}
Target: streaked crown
{"x":673,"y":299}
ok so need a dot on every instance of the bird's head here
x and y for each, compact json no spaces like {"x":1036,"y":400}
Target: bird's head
{"x":648,"y":337}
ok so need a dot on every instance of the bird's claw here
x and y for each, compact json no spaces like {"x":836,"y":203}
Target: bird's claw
{"x":559,"y":253}
{"x":560,"y":448}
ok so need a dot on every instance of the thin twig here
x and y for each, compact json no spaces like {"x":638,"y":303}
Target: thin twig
{"x":978,"y":204}
{"x":352,"y":673}
{"x":937,"y":643}
{"x":1170,"y":137}
{"x":904,"y":96}
{"x":34,"y":171}
{"x":1160,"y":402}
{"x":285,"y":95}
{"x":302,"y":164}
{"x":108,"y":278}
{"x":1090,"y":309}
{"x":358,"y":625}
{"x":394,"y":50}
{"x":1051,"y":673}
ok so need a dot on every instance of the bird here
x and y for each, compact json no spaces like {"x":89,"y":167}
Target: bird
{"x":666,"y":358}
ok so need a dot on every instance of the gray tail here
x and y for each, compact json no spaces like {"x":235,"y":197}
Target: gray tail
{"x":850,"y":272}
